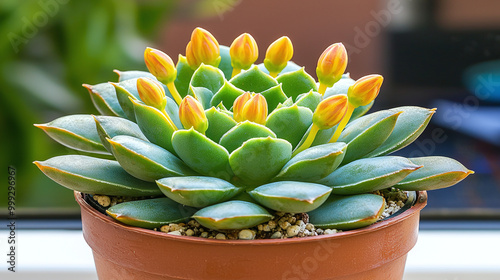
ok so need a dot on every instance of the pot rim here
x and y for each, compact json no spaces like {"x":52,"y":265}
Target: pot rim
{"x":420,"y":203}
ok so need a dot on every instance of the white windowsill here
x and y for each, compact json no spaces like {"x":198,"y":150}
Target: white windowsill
{"x":453,"y":255}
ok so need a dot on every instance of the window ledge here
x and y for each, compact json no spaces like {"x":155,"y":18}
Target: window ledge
{"x":458,"y":255}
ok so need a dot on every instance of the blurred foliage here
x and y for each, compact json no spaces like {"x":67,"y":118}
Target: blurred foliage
{"x":48,"y":49}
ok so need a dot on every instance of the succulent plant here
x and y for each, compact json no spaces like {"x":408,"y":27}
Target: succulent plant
{"x":227,"y":142}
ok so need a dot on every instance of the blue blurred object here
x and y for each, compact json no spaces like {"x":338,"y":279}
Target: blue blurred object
{"x":483,"y":80}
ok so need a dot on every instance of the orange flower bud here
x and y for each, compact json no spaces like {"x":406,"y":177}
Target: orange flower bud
{"x":192,"y":114}
{"x":243,"y":51}
{"x":255,"y":109}
{"x":238,"y":105}
{"x":278,"y":54}
{"x":332,"y":64}
{"x":203,"y":48}
{"x":151,"y":93}
{"x":364,"y":90}
{"x":160,"y":65}
{"x":330,"y":111}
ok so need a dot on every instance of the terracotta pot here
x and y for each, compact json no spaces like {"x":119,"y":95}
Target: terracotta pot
{"x":375,"y":252}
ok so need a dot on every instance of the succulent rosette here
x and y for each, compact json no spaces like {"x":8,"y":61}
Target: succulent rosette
{"x":227,"y":142}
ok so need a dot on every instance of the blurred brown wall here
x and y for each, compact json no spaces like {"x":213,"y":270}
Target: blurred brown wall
{"x":311,"y":25}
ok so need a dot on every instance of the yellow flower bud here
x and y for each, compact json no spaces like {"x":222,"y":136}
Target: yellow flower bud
{"x":330,"y":111}
{"x":255,"y":109}
{"x":203,"y":48}
{"x":243,"y":51}
{"x":277,"y":55}
{"x":151,"y":93}
{"x":238,"y":105}
{"x":332,"y":64}
{"x":160,"y":65}
{"x":192,"y":114}
{"x":364,"y":90}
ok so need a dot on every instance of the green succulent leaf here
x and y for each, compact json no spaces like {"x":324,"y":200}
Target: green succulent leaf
{"x":290,"y":196}
{"x":360,"y":111}
{"x":290,"y":67}
{"x":226,"y":94}
{"x":260,"y":159}
{"x":225,"y":62}
{"x":297,"y":82}
{"x":437,"y":173}
{"x":253,"y":80}
{"x":124,"y":97}
{"x":313,"y":163}
{"x":208,"y":77}
{"x":204,"y":95}
{"x":184,"y":74}
{"x":339,"y":87}
{"x":105,"y":101}
{"x":109,"y":127}
{"x":218,"y":123}
{"x":369,"y":174}
{"x":128,"y":75}
{"x":232,"y":215}
{"x":95,"y":176}
{"x":146,"y":161}
{"x":367,"y":133}
{"x":76,"y":132}
{"x":309,"y":100}
{"x":154,"y":125}
{"x":197,"y":191}
{"x":150,"y":213}
{"x":274,"y":96}
{"x":202,"y":154}
{"x":242,"y":132}
{"x":348,"y":212}
{"x":281,"y":119}
{"x":410,"y":124}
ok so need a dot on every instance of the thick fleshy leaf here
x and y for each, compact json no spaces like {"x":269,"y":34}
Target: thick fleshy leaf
{"x":340,"y":87}
{"x":95,"y":176}
{"x":226,"y":94}
{"x":242,"y":132}
{"x":197,"y":191}
{"x":410,"y":124}
{"x":150,"y":213}
{"x":218,"y":123}
{"x":154,"y":125}
{"x":184,"y":74}
{"x":105,"y":101}
{"x":260,"y":159}
{"x":124,"y":97}
{"x":309,"y":100}
{"x":297,"y":82}
{"x":202,"y":154}
{"x":234,"y":214}
{"x":437,"y":173}
{"x":128,"y":75}
{"x":280,"y":121}
{"x":145,"y":160}
{"x":361,"y":111}
{"x":369,"y":174}
{"x":348,"y":212}
{"x":253,"y":80}
{"x":274,"y":96}
{"x":204,"y":95}
{"x":225,"y":62}
{"x":367,"y":133}
{"x":290,"y":196}
{"x":208,"y":77}
{"x":109,"y":127}
{"x":313,"y":163}
{"x":75,"y":131}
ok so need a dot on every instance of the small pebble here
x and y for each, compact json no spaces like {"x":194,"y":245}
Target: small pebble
{"x":292,"y":231}
{"x":220,"y":236}
{"x":103,"y":200}
{"x":284,"y":225}
{"x":330,"y":231}
{"x":310,"y":227}
{"x":204,"y":234}
{"x":165,"y":228}
{"x":175,"y":227}
{"x":189,"y":232}
{"x":276,"y":235}
{"x":176,"y":232}
{"x":246,"y":234}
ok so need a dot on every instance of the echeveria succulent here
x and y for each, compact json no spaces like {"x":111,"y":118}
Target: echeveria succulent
{"x":228,"y":146}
